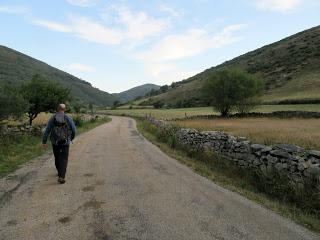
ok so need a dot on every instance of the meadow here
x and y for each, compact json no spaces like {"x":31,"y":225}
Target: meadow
{"x":182,"y":112}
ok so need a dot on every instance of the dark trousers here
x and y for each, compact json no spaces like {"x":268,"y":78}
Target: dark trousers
{"x":61,"y":154}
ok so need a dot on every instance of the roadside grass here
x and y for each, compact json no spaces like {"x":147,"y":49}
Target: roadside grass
{"x":302,"y":132}
{"x":20,"y":148}
{"x":232,"y":178}
{"x":182,"y":112}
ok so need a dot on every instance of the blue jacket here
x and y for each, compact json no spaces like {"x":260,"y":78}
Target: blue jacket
{"x":50,"y":126}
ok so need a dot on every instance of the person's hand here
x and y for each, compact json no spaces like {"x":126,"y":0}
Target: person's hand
{"x":45,"y":146}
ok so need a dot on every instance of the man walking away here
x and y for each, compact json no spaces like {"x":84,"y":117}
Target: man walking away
{"x":62,"y":131}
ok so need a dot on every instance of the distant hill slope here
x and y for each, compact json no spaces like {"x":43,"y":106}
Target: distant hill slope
{"x":135,"y":92}
{"x":16,"y":68}
{"x":290,"y":69}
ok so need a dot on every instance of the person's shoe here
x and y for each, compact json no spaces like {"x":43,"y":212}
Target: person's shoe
{"x":61,"y":180}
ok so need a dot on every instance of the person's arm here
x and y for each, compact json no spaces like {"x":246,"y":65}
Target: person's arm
{"x":47,"y":131}
{"x":72,"y":126}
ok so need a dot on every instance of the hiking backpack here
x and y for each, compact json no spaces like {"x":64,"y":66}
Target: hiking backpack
{"x":60,"y":133}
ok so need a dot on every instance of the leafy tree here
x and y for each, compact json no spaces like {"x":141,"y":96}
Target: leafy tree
{"x":164,"y":88}
{"x":91,"y":108}
{"x":158,"y":104}
{"x":43,"y":96}
{"x":77,"y":106}
{"x":12,"y":104}
{"x":233,"y":89}
{"x":115,"y":104}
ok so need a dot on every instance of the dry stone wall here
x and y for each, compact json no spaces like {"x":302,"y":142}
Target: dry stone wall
{"x":295,"y":162}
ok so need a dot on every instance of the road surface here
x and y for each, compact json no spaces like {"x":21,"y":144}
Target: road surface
{"x":120,"y":186}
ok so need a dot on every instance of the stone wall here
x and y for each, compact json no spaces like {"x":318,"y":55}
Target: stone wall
{"x":22,"y":128}
{"x":295,"y":162}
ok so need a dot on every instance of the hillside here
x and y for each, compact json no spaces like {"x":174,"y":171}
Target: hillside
{"x":135,"y":92}
{"x":290,"y":69}
{"x":16,"y":68}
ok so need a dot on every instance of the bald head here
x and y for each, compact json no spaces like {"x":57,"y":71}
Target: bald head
{"x":61,"y":107}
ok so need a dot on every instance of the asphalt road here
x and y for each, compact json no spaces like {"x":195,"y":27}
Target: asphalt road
{"x":120,"y":186}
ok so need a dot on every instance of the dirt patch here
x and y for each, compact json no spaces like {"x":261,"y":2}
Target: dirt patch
{"x":93,"y":204}
{"x":88,"y":174}
{"x":88,"y":189}
{"x":12,"y":223}
{"x":64,"y":219}
{"x":99,"y":182}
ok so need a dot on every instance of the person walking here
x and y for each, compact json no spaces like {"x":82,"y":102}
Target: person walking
{"x":62,"y":131}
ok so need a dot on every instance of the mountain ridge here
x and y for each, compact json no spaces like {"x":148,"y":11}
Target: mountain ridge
{"x":138,"y":91}
{"x":17,"y":67}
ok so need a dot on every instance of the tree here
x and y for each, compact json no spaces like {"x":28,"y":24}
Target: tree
{"x":233,"y":89}
{"x":91,"y":108}
{"x":164,"y":88}
{"x":158,"y":104}
{"x":12,"y":104}
{"x":43,"y":96}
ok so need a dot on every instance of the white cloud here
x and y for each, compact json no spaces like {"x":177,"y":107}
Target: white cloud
{"x":138,"y":24}
{"x":131,"y":27}
{"x":166,"y":73}
{"x":191,"y":43}
{"x":277,"y":5}
{"x":82,"y":3}
{"x":94,"y":31}
{"x":13,"y":9}
{"x":171,"y":11}
{"x":78,"y":67}
{"x":52,"y":25}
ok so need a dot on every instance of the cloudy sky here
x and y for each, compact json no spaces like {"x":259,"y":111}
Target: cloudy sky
{"x":117,"y":45}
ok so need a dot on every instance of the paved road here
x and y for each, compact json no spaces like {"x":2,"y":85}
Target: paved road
{"x":120,"y":186}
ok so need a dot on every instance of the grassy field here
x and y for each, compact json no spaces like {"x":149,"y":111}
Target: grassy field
{"x":182,"y":112}
{"x":234,"y":179}
{"x":301,"y":132}
{"x":18,"y":149}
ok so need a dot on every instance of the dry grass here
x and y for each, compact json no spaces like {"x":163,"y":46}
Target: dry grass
{"x":301,"y":132}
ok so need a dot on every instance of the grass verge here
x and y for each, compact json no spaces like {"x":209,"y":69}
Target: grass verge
{"x":21,"y":148}
{"x":231,"y":178}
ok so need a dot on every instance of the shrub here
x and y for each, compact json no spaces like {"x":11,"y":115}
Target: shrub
{"x":78,"y":121}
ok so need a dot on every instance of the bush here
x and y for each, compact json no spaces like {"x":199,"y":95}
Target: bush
{"x":78,"y":121}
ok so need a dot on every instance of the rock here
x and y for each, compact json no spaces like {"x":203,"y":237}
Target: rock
{"x":280,"y":153}
{"x":271,"y":159}
{"x":257,"y":162}
{"x":314,"y":170}
{"x":266,"y":149}
{"x":257,"y":147}
{"x":288,"y":148}
{"x":278,"y":166}
{"x":314,"y":153}
{"x":263,"y":169}
{"x":241,"y":139}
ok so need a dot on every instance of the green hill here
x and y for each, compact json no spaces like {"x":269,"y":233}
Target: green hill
{"x":290,"y":69}
{"x":16,"y":68}
{"x":135,"y":92}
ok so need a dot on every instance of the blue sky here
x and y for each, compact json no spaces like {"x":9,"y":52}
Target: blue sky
{"x":117,"y":45}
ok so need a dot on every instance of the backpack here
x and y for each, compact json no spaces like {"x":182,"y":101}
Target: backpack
{"x":60,"y":133}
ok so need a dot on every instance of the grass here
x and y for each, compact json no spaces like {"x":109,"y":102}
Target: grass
{"x":182,"y":112}
{"x":231,"y":178}
{"x":301,"y":132}
{"x":21,"y":148}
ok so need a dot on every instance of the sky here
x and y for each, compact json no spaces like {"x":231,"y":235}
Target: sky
{"x":117,"y":45}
